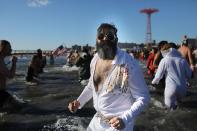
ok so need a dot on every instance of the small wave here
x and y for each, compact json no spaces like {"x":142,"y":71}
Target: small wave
{"x":68,"y":68}
{"x":20,"y":100}
{"x":52,"y":69}
{"x":70,"y":123}
{"x":2,"y":114}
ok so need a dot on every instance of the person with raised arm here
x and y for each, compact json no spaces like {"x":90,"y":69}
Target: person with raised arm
{"x":5,"y":50}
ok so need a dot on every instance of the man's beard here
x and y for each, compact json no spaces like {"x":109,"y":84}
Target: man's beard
{"x":106,"y":50}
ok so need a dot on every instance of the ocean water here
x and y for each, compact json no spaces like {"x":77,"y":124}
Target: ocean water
{"x":43,"y":107}
{"x":23,"y":61}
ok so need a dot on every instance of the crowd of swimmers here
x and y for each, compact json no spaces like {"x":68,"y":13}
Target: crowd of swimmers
{"x":173,"y":80}
{"x":172,"y":66}
{"x":82,"y":59}
{"x":155,"y":56}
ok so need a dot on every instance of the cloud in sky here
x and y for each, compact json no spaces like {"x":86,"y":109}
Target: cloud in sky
{"x":37,"y":3}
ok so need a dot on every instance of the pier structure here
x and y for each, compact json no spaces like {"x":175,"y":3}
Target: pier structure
{"x":29,"y":52}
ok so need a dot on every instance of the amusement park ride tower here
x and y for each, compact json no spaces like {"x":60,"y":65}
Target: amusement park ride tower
{"x":149,"y":11}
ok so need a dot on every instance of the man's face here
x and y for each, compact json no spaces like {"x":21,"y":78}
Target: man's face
{"x":106,"y":44}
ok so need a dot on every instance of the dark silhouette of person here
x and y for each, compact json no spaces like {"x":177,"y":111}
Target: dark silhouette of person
{"x":5,"y":50}
{"x":35,"y":67}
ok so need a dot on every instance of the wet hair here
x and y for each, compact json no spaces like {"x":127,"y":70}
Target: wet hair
{"x":161,"y":44}
{"x":3,"y":44}
{"x":85,"y":50}
{"x":39,"y":50}
{"x":107,"y":25}
{"x":173,"y":45}
{"x":166,"y":46}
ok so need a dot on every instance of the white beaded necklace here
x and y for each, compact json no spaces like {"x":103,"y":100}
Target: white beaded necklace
{"x":119,"y":77}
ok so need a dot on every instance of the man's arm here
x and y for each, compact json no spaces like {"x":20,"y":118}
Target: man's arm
{"x":156,"y":59}
{"x":148,"y":61}
{"x":188,"y":71}
{"x":8,"y":73}
{"x":160,"y":72}
{"x":190,"y":59}
{"x":85,"y":96}
{"x":139,"y":92}
{"x":87,"y":93}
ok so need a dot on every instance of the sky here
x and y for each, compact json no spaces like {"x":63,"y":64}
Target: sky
{"x":46,"y":24}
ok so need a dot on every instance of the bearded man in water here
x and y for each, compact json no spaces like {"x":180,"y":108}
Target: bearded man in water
{"x":116,"y":85}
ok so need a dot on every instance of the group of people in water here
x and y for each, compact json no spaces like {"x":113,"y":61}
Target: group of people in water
{"x":116,"y":82}
{"x":155,"y":56}
{"x":35,"y":67}
{"x":173,"y":66}
{"x":82,"y":60}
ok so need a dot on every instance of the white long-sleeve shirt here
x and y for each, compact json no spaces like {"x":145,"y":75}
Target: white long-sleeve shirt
{"x":126,"y":102}
{"x":175,"y":68}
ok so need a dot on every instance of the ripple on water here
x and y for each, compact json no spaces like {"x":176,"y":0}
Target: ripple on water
{"x":69,"y":123}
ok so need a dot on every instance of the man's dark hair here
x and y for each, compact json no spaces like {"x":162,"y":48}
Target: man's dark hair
{"x":107,"y":25}
{"x":39,"y":50}
{"x":162,"y":43}
{"x":3,"y":43}
{"x":173,"y":45}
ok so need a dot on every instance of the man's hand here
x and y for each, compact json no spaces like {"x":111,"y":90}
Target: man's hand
{"x":192,"y":67}
{"x":117,"y":123}
{"x":73,"y":106}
